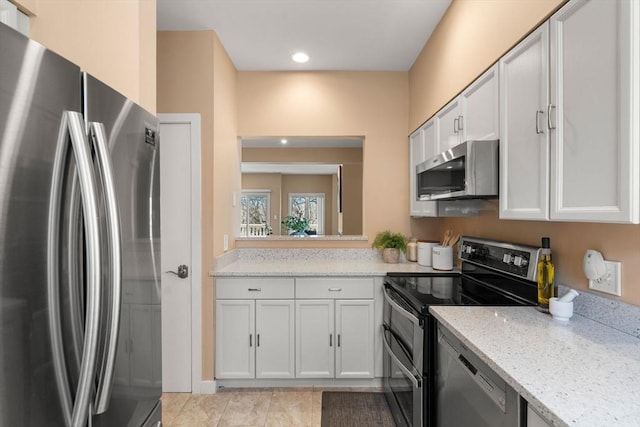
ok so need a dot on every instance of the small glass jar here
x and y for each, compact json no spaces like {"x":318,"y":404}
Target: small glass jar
{"x":412,"y":249}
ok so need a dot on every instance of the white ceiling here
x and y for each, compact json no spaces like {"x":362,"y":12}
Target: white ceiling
{"x":373,"y":35}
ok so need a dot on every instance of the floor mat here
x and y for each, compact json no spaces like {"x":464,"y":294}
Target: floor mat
{"x":355,"y":409}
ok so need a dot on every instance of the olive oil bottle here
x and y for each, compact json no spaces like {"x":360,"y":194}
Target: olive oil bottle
{"x":546,"y":275}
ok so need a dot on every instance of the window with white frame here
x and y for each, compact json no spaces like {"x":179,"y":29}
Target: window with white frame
{"x":254,"y":211}
{"x":310,"y":206}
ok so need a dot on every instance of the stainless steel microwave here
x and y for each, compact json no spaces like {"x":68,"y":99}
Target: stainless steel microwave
{"x":467,"y":171}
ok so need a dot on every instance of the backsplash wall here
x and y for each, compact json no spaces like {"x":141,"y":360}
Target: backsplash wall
{"x":569,"y":242}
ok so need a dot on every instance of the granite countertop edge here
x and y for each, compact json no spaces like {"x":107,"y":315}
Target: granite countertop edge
{"x":302,"y":268}
{"x":565,"y":404}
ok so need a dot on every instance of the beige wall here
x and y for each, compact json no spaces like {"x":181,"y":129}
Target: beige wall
{"x":471,"y":36}
{"x":115,"y":41}
{"x":195,"y":75}
{"x":272,"y":182}
{"x":369,"y":104}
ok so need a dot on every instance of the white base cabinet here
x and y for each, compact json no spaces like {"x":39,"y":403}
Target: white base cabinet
{"x":255,"y":337}
{"x":340,"y":346}
{"x":335,"y":328}
{"x":327,"y":331}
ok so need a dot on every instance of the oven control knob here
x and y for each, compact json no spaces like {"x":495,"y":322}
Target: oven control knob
{"x":519,"y":261}
{"x":507,"y":258}
{"x":470,"y":249}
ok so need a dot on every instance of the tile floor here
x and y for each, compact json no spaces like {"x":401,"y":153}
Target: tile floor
{"x":245,"y":408}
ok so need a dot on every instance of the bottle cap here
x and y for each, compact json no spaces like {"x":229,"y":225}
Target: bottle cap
{"x":546,"y":242}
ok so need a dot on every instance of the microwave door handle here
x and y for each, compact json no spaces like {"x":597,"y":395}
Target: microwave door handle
{"x":412,"y":377}
{"x":400,"y":310}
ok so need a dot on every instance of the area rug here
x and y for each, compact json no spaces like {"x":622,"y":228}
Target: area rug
{"x":355,"y":409}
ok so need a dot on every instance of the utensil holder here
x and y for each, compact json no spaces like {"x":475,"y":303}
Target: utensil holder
{"x":442,"y":258}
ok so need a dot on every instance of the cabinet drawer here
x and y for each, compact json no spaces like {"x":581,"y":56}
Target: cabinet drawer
{"x":343,"y":287}
{"x":254,"y":288}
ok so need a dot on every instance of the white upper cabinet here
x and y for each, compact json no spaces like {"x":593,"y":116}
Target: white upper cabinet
{"x":422,"y":146}
{"x":480,"y":117}
{"x":594,"y":111}
{"x":575,"y":157}
{"x":524,"y":147}
{"x":449,"y":126}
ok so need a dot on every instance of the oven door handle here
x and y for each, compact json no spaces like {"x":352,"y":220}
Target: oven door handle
{"x":401,"y":310}
{"x":417,"y":383}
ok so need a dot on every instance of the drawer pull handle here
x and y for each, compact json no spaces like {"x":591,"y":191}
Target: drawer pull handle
{"x":255,"y":289}
{"x":335,"y":289}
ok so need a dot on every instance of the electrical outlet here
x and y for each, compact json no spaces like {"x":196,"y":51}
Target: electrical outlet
{"x":611,"y":282}
{"x":225,"y":243}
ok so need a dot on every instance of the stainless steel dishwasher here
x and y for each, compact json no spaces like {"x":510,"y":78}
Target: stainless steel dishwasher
{"x":468,"y":392}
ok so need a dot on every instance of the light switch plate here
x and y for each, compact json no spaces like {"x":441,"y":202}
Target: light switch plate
{"x":611,"y":283}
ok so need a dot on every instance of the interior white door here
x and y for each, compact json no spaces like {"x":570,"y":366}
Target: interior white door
{"x":175,"y":208}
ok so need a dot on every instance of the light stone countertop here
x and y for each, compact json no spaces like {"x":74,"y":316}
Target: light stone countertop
{"x":318,"y":267}
{"x":576,"y":373}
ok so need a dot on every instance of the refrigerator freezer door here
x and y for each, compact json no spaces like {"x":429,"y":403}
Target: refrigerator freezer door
{"x":131,"y":134}
{"x":36,"y":87}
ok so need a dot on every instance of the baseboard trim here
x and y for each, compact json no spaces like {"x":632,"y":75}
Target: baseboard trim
{"x":300,"y":382}
{"x":208,"y":387}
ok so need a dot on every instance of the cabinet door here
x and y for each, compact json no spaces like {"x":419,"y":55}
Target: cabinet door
{"x":354,"y":338}
{"x":524,"y":144}
{"x":422,"y":147}
{"x":480,"y":108}
{"x":235,"y":339}
{"x":449,"y":127}
{"x":594,"y":75}
{"x":315,"y":339}
{"x":275,"y":336}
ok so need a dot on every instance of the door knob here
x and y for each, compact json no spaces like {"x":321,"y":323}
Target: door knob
{"x":183,"y":271}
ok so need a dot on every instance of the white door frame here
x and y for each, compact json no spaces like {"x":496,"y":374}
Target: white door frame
{"x":196,"y":242}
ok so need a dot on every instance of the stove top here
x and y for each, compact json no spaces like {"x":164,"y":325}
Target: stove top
{"x":493,"y":273}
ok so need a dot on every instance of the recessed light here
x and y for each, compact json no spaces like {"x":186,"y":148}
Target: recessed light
{"x":283,"y":141}
{"x":300,"y":57}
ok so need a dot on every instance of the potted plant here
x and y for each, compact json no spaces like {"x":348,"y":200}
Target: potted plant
{"x":391,"y":245}
{"x":295,"y":225}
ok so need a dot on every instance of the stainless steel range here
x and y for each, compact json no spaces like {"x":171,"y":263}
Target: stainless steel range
{"x":492,"y":273}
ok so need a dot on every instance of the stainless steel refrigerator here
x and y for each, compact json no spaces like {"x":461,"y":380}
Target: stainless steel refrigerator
{"x":79,"y":247}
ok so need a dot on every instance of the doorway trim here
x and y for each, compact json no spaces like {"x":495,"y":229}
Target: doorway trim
{"x":193,"y":119}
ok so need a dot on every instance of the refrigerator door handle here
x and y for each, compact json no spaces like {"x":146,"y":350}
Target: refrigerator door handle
{"x":72,"y":128}
{"x":105,"y":375}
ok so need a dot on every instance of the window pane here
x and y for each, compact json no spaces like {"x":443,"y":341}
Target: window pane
{"x":254,"y":214}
